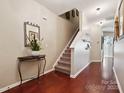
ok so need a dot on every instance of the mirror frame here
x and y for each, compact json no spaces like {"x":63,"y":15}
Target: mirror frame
{"x":26,"y":38}
{"x":121,"y":22}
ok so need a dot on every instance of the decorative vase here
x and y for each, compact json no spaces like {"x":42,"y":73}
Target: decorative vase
{"x":35,"y":53}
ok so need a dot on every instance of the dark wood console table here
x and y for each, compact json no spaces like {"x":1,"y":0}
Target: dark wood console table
{"x":29,"y":59}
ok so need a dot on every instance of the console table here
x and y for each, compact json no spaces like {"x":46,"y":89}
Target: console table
{"x":39,"y":59}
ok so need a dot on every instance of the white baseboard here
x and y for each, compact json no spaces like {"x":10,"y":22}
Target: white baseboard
{"x":9,"y":87}
{"x":74,"y":76}
{"x":96,"y":61}
{"x":18,"y":83}
{"x":118,"y":82}
{"x":48,"y":71}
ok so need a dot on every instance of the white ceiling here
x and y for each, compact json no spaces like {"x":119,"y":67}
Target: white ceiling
{"x":108,"y":7}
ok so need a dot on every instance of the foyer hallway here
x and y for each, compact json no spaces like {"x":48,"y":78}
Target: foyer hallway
{"x":89,"y":81}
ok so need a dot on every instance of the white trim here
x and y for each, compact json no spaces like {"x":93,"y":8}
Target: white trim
{"x":117,"y":80}
{"x":64,"y":49}
{"x":74,"y":76}
{"x":48,"y":71}
{"x":96,"y":61}
{"x":12,"y":86}
{"x":18,"y":83}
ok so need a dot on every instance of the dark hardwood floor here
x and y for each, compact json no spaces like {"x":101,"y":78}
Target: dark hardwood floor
{"x":89,"y":81}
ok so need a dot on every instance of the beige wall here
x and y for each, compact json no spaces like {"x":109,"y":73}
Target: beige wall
{"x":55,"y":31}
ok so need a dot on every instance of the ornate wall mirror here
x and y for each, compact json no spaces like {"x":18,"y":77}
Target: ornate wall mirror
{"x":30,"y":30}
{"x":77,"y":12}
{"x":67,"y":15}
{"x":120,"y":15}
{"x":73,"y":13}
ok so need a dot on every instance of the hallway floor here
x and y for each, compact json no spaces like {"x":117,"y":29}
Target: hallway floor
{"x":89,"y":81}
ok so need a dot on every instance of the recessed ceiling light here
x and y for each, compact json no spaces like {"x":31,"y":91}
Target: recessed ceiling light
{"x":98,"y":9}
{"x":100,"y":22}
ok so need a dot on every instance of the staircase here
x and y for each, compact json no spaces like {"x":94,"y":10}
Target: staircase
{"x":64,"y":62}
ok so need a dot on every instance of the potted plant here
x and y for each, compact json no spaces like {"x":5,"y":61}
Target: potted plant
{"x":35,"y":46}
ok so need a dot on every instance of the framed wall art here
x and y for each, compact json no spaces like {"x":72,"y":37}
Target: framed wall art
{"x":73,"y":13}
{"x":121,"y":19}
{"x":30,"y":30}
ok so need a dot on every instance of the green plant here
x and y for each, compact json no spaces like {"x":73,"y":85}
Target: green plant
{"x":35,"y":46}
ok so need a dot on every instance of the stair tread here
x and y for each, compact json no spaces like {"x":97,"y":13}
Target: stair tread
{"x":68,"y":62}
{"x":63,"y":67}
{"x":62,"y":71}
{"x":66,"y":57}
{"x":68,"y":49}
{"x":67,"y":53}
{"x":64,"y":62}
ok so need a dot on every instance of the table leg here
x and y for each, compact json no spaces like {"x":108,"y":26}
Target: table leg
{"x":19,"y":70}
{"x":44,"y":65}
{"x":39,"y":69}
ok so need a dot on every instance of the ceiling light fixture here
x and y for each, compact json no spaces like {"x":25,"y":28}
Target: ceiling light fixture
{"x":98,"y":10}
{"x":101,"y":22}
